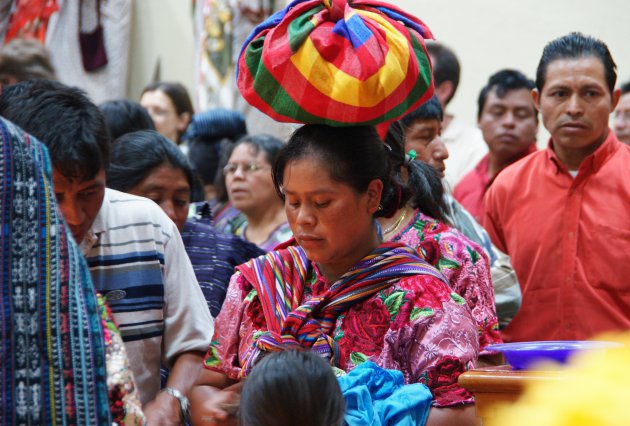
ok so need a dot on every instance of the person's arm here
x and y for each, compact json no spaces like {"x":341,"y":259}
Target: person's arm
{"x":460,"y":416}
{"x":214,"y":399}
{"x":165,"y":409}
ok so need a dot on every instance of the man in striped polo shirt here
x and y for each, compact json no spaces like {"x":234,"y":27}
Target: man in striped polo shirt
{"x":134,"y":251}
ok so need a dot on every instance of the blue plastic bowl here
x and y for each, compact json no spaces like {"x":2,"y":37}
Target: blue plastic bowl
{"x":522,"y":355}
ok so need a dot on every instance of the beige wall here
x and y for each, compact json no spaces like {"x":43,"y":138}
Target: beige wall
{"x":487,"y":35}
{"x":162,"y":32}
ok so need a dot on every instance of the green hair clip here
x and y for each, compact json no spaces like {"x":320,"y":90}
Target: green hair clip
{"x":410,"y":156}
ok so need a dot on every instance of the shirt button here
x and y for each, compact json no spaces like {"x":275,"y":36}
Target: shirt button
{"x":568,"y":279}
{"x":570,"y":235}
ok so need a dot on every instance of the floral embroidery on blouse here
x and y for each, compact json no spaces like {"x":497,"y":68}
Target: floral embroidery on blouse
{"x":463,"y":263}
{"x":124,"y":404}
{"x":417,"y":326}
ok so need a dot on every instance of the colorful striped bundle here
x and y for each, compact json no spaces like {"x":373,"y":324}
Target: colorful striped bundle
{"x":337,"y":62}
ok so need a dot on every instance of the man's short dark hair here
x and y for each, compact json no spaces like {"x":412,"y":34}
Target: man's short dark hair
{"x":625,"y":88}
{"x":430,"y":110}
{"x":445,"y":65}
{"x":502,"y":82}
{"x":65,"y":120}
{"x":572,"y":46}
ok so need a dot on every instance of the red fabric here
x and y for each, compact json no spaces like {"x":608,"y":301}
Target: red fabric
{"x":471,"y":190}
{"x":30,"y":19}
{"x":569,"y":241}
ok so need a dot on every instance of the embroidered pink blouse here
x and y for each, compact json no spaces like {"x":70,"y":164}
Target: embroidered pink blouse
{"x":418,"y":326}
{"x":464,"y":264}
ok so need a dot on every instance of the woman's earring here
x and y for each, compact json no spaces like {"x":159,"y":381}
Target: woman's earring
{"x":380,"y":207}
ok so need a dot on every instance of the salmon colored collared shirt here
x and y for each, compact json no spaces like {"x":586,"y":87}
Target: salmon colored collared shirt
{"x":569,"y":240}
{"x":471,"y":190}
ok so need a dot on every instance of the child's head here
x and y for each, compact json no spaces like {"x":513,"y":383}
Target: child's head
{"x":292,"y":388}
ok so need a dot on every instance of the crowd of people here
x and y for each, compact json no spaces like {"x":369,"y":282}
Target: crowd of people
{"x":161,"y":266}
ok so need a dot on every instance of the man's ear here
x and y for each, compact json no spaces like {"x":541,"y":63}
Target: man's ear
{"x":536,"y":98}
{"x":444,"y":91}
{"x":616,"y":95}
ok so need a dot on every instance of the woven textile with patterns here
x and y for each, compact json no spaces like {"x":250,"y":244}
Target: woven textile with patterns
{"x":52,"y":351}
{"x":336,"y":62}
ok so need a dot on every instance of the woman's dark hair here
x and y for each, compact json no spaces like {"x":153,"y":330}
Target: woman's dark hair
{"x":291,"y":388}
{"x":268,"y":144}
{"x":177,"y":92}
{"x":124,"y":116}
{"x":423,"y":182}
{"x":353,"y":155}
{"x":136,"y":154}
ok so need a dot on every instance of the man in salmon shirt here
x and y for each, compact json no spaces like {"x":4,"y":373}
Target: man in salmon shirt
{"x":508,"y":121}
{"x":562,"y":213}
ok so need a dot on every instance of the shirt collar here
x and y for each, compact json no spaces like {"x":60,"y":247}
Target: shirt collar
{"x":593,"y":162}
{"x":98,"y":226}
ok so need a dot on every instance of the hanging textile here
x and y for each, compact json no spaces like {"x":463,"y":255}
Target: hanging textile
{"x":30,"y":19}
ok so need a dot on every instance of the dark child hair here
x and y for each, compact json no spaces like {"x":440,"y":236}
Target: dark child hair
{"x":290,"y":388}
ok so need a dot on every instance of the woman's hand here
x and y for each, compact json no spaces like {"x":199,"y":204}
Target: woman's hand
{"x":211,"y":406}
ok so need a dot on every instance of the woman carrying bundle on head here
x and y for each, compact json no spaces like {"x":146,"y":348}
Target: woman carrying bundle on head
{"x":336,"y":289}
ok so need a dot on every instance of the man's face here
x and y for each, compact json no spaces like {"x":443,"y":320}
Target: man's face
{"x":79,"y":200}
{"x":622,"y":119}
{"x":575,"y":103}
{"x":508,"y":123}
{"x":423,"y":137}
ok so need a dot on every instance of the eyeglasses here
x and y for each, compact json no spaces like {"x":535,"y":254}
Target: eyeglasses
{"x":231,"y":168}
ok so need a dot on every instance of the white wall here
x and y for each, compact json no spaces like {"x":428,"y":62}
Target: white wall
{"x":488,"y":35}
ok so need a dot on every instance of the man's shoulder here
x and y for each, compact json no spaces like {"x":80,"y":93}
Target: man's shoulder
{"x":516,"y":171}
{"x":471,"y":181}
{"x":122,"y":209}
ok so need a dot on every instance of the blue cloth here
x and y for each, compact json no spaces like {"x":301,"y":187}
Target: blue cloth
{"x":213,"y":256}
{"x":375,"y":396}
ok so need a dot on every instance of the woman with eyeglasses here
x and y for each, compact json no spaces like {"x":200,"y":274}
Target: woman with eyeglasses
{"x":250,"y":188}
{"x":147,"y":164}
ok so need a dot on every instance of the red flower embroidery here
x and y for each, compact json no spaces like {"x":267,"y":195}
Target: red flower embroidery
{"x":442,"y":380}
{"x":364,"y":329}
{"x":255,"y":313}
{"x":430,"y":251}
